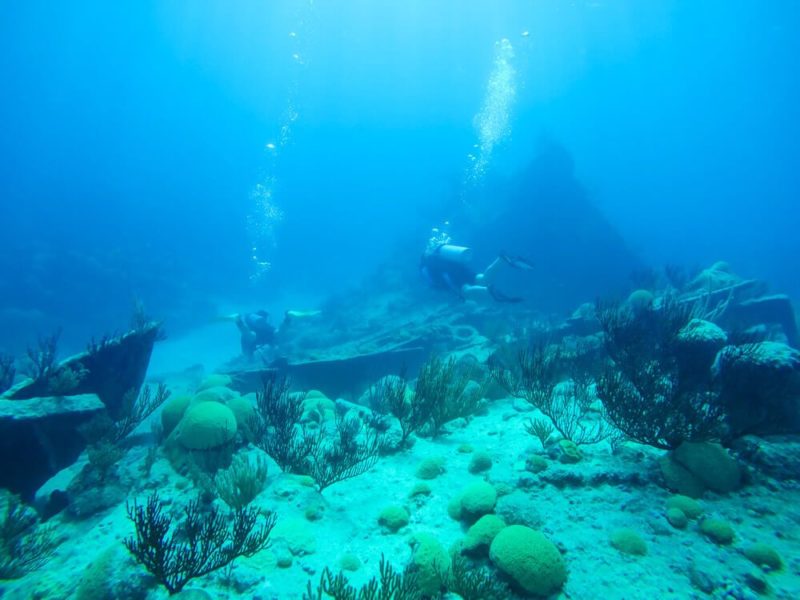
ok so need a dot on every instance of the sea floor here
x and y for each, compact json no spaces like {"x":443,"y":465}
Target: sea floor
{"x":577,"y":506}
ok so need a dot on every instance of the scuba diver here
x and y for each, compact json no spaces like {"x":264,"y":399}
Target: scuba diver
{"x":257,"y":334}
{"x":256,"y":331}
{"x":446,"y":266}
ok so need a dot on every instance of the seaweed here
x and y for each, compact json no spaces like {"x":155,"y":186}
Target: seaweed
{"x":276,"y":425}
{"x":468,"y":583}
{"x":534,"y":376}
{"x":678,"y":276}
{"x":240,"y":483}
{"x":442,"y":395}
{"x":141,"y":321}
{"x":42,"y":357}
{"x":65,"y":379}
{"x":632,"y":338}
{"x":390,"y":396}
{"x":138,"y":407}
{"x":7,"y":372}
{"x":135,"y":408}
{"x":43,"y":367}
{"x":653,"y":409}
{"x":645,"y":391}
{"x":25,"y":545}
{"x":352,"y":450}
{"x":327,"y":455}
{"x":104,"y":436}
{"x":473,"y":583}
{"x":569,"y":407}
{"x":541,"y":429}
{"x":389,"y":585}
{"x":96,"y":346}
{"x":103,"y":457}
{"x":202,"y":543}
{"x":536,"y":379}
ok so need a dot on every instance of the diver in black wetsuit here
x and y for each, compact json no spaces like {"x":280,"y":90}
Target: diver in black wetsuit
{"x":446,"y":272}
{"x":259,"y":335}
{"x":446,"y":266}
{"x":256,"y":331}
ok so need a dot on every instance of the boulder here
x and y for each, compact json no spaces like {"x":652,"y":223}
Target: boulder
{"x":112,"y":369}
{"x":40,"y":436}
{"x":679,"y":479}
{"x":773,"y":309}
{"x":761,"y":358}
{"x":583,"y":321}
{"x":711,"y":464}
{"x":774,"y":456}
{"x":760,"y":387}
{"x":698,"y":343}
{"x":339,"y":377}
{"x":718,"y":276}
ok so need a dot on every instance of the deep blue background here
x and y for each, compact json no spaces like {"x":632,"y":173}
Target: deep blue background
{"x":133,"y":132}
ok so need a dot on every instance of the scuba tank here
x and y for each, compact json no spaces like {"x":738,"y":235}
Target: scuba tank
{"x":456,"y":254}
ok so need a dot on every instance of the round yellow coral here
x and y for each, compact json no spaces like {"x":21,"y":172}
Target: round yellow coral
{"x":532,"y":561}
{"x":207,"y":425}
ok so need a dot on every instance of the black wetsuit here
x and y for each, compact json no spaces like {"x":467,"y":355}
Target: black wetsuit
{"x":445,"y":274}
{"x":450,"y":275}
{"x":256,"y":332}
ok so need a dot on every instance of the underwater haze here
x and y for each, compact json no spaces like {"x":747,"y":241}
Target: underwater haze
{"x":135,"y":135}
{"x":428,"y":289}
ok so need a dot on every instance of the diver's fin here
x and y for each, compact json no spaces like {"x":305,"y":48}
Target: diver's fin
{"x":517,"y":262}
{"x":302,"y":314}
{"x":230,"y":317}
{"x":499,"y":296}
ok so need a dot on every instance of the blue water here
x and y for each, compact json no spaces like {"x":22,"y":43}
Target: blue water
{"x":207,"y":159}
{"x":134,"y":135}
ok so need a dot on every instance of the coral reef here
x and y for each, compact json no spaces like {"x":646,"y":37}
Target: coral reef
{"x":646,"y":393}
{"x":552,"y":456}
{"x":25,"y":545}
{"x":205,"y":542}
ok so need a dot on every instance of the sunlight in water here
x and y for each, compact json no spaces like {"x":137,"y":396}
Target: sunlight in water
{"x":265,"y":215}
{"x":261,"y":226}
{"x":493,"y":122}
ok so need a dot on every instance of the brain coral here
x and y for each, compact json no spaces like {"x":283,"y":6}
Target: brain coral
{"x":480,"y":535}
{"x":215,"y":380}
{"x":173,"y":411}
{"x":718,"y":531}
{"x":532,"y":561}
{"x":477,"y":499}
{"x":430,"y":561}
{"x":393,"y":518}
{"x":207,"y":425}
{"x":628,"y":541}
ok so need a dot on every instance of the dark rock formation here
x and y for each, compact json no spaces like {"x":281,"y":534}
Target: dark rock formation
{"x":776,"y":456}
{"x":773,"y":309}
{"x":40,"y":419}
{"x":745,"y":306}
{"x":39,"y":437}
{"x":112,"y":369}
{"x":344,"y":377}
{"x":760,"y":388}
{"x":544,"y":214}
